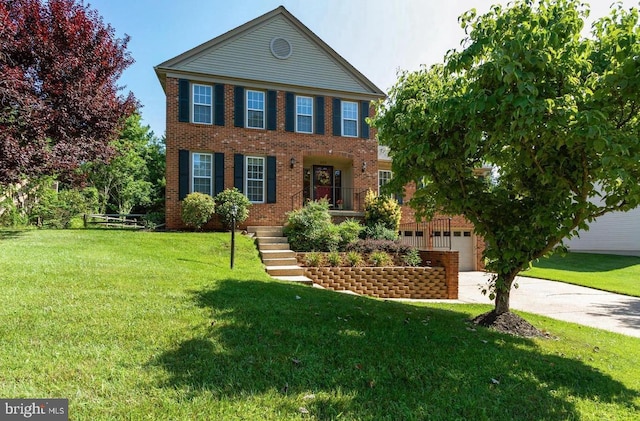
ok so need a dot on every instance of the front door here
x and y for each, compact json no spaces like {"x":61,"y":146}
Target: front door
{"x":323,"y":182}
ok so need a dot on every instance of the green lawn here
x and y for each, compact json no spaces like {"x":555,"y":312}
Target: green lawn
{"x":607,"y":272}
{"x":155,"y":326}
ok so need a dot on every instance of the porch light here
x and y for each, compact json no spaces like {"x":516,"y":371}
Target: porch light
{"x":364,"y":166}
{"x":292,"y":162}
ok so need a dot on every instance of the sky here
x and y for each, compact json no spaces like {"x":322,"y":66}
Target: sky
{"x":378,"y":37}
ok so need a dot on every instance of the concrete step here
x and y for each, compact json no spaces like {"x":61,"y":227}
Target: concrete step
{"x":272,"y":240}
{"x":288,"y":270}
{"x":266,"y":231}
{"x":285,"y":261}
{"x":273,"y":246}
{"x":277,"y":254}
{"x":300,"y":279}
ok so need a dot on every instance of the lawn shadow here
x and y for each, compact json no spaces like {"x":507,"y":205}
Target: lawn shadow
{"x":6,"y":234}
{"x":370,"y":359}
{"x":627,"y":311}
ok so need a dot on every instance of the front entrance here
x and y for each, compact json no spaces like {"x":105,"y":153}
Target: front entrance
{"x":326,"y":183}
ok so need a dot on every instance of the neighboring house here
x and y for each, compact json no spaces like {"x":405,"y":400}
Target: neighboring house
{"x":612,"y":233}
{"x":271,"y":109}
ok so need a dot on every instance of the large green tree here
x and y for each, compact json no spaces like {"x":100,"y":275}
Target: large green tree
{"x":124,"y":181}
{"x":555,"y":113}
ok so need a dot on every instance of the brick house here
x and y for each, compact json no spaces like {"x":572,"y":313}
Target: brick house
{"x":271,"y":109}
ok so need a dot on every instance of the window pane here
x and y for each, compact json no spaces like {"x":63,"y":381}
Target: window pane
{"x":255,"y":179}
{"x":255,"y":119}
{"x":202,"y":104}
{"x":202,"y":172}
{"x":349,"y":128}
{"x":350,"y":110}
{"x":304,"y":124}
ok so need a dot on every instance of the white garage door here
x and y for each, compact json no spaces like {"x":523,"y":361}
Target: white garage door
{"x":462,"y":241}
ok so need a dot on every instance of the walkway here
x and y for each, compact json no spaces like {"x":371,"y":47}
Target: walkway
{"x":558,"y":300}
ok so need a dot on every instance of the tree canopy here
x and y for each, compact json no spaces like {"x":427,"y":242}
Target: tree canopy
{"x":555,"y":113}
{"x":59,"y":102}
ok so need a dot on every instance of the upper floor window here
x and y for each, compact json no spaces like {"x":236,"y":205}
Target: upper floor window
{"x":255,"y":109}
{"x":202,"y":172}
{"x":255,"y":171}
{"x":384,"y":176}
{"x":349,"y":118}
{"x":304,"y":114}
{"x":202,"y":104}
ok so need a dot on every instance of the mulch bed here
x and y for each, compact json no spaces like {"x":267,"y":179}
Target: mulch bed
{"x":510,"y":323}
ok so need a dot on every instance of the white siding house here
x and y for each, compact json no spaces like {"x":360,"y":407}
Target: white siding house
{"x":613,"y":233}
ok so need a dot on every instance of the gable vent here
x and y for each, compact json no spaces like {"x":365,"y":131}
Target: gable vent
{"x":281,"y":48}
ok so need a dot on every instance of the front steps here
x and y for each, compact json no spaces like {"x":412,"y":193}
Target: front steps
{"x":279,"y":261}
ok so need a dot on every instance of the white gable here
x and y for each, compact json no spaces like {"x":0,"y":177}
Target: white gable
{"x":247,"y":55}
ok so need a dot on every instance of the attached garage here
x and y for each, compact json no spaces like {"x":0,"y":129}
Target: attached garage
{"x":462,"y":241}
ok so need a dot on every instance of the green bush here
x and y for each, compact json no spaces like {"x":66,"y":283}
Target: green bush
{"x":354,"y":259}
{"x":412,"y":258}
{"x":349,"y":232}
{"x":381,"y":258}
{"x":310,"y":229}
{"x":61,"y":209}
{"x":225,"y":201}
{"x":334,"y":258}
{"x":314,"y":259}
{"x":197,"y":210}
{"x":380,"y":232}
{"x":383,"y":210}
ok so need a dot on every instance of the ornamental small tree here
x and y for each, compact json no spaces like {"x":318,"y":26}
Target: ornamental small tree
{"x":197,"y":210}
{"x":226,"y":200}
{"x":557,"y":115}
{"x":381,"y":210}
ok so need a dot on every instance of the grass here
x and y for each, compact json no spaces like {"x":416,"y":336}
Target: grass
{"x":620,"y":274}
{"x":148,"y":326}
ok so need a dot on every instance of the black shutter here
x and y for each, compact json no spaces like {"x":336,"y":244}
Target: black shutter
{"x":238,"y":113}
{"x":218,"y":106}
{"x":183,"y":173}
{"x":319,"y":117}
{"x":364,"y":113}
{"x":238,"y":172}
{"x":399,"y":198}
{"x":272,"y":110}
{"x":218,"y":167}
{"x":290,"y":112}
{"x":183,"y":100}
{"x":271,"y":179}
{"x":337,"y":117}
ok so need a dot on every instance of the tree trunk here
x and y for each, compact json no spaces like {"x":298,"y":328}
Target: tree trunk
{"x":503,"y":292}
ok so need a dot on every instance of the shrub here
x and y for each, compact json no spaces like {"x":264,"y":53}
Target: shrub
{"x":380,"y":232}
{"x":412,"y":258}
{"x":370,"y":246}
{"x":197,"y":210}
{"x":383,"y":210}
{"x":349,"y":232}
{"x":354,"y":259}
{"x":381,"y":258}
{"x":314,"y":259}
{"x":310,"y":229}
{"x":334,"y":258}
{"x":225,"y":201}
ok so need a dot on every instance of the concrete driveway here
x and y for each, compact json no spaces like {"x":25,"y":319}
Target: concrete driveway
{"x":571,"y":303}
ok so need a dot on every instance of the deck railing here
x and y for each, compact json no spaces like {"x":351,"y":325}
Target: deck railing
{"x":431,"y":235}
{"x":340,"y":198}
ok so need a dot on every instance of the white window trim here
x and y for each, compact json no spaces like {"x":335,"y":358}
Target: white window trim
{"x":308,"y":115}
{"x":342,"y":119}
{"x":194,"y":103}
{"x":264,"y":177}
{"x":193,"y":176}
{"x":246,"y":109}
{"x":379,"y":178}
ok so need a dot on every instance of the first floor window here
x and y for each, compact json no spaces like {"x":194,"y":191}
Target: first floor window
{"x":255,"y":171}
{"x":255,"y":109}
{"x":384,"y":176}
{"x":202,"y":166}
{"x":349,"y":118}
{"x":202,"y":104}
{"x":304,"y":114}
